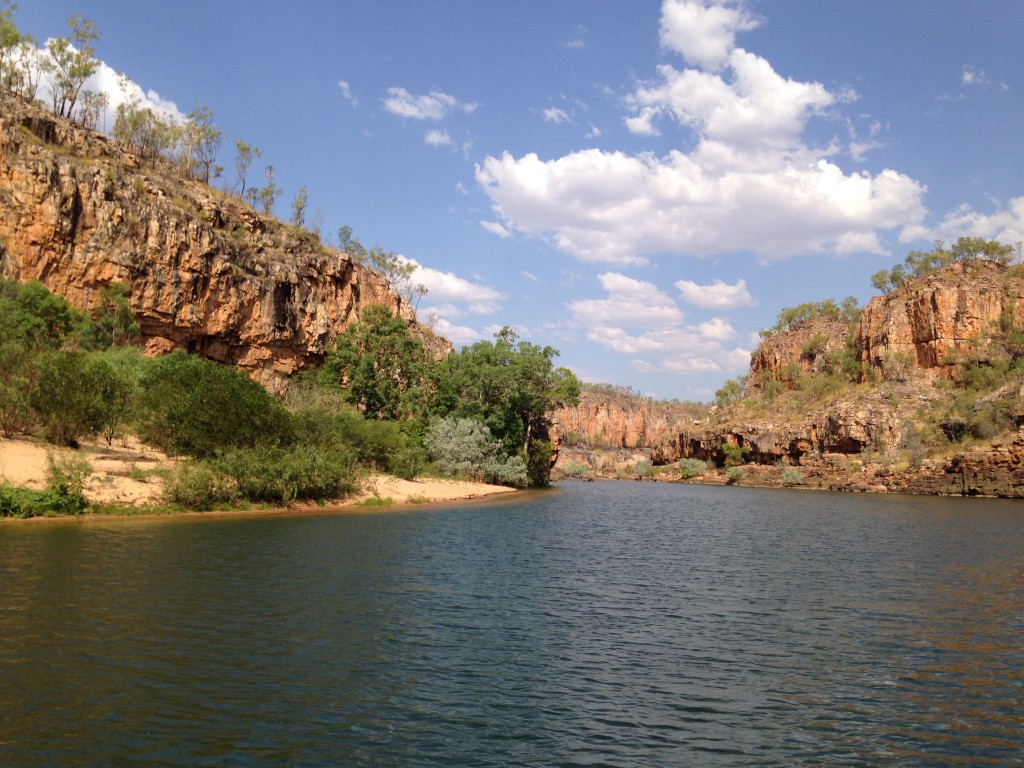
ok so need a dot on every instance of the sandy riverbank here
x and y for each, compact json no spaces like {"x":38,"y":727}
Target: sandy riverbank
{"x":121,"y":475}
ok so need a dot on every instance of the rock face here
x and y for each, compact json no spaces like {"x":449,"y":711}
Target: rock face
{"x":205,"y":271}
{"x":907,"y":343}
{"x":805,"y":347}
{"x":940,"y":317}
{"x":608,"y":418}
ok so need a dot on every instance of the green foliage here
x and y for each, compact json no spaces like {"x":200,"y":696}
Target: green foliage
{"x":113,"y":322}
{"x":33,"y":318}
{"x":70,"y":395}
{"x":734,"y":475}
{"x":193,"y":407}
{"x":735,"y":454}
{"x":731,"y":392}
{"x":65,"y":476}
{"x":65,"y":479}
{"x":465,"y":448}
{"x":792,"y":477}
{"x":643,"y":468}
{"x":71,"y":62}
{"x":919,"y":263}
{"x":245,"y":155}
{"x":511,"y":386}
{"x":791,"y":317}
{"x":299,"y":203}
{"x":690,"y":468}
{"x":574,"y":469}
{"x":381,"y":365}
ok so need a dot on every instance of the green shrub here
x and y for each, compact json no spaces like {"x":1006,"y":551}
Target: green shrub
{"x":70,"y":396}
{"x":464,"y":447}
{"x":193,"y":407}
{"x":575,"y":469}
{"x":792,"y":477}
{"x":734,"y":475}
{"x":194,"y":485}
{"x":689,"y":468}
{"x":735,"y":454}
{"x":643,"y":468}
{"x":283,"y":475}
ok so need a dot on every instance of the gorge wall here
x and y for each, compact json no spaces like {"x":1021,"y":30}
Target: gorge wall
{"x":205,"y":271}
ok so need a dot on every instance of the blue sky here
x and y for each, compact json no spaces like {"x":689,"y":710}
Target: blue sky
{"x":642,"y":186}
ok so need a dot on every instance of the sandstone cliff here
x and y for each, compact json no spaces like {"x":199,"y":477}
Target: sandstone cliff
{"x":927,"y":366}
{"x":610,"y":417}
{"x":205,"y":271}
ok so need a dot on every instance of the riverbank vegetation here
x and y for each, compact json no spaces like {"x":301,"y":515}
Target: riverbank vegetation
{"x":380,"y":403}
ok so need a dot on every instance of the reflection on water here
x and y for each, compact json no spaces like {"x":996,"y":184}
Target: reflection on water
{"x":616,"y":624}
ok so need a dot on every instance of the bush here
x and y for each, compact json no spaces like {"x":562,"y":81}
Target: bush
{"x":465,"y":447}
{"x":792,"y":477}
{"x":689,"y":468}
{"x":193,"y":407}
{"x":734,"y":475}
{"x":72,"y":395}
{"x":735,"y":454}
{"x":283,"y":475}
{"x":643,"y":468}
{"x":575,"y":469}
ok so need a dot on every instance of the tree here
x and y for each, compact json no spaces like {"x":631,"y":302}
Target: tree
{"x":299,"y":203}
{"x":245,"y":154}
{"x":93,"y":104}
{"x":398,"y":271}
{"x":380,"y":365}
{"x":268,"y":194}
{"x":71,"y":63}
{"x":731,"y":392}
{"x":10,"y":39}
{"x":70,"y":395}
{"x":113,"y":321}
{"x":511,"y":386}
{"x":199,"y":143}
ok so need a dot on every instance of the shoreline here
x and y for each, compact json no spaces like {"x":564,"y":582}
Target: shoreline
{"x":121,"y":477}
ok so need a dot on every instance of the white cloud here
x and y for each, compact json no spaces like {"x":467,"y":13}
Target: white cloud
{"x":457,"y":334}
{"x":450,"y":289}
{"x":346,"y":91}
{"x":435,"y":105}
{"x":556,"y":116}
{"x":1006,"y":225}
{"x":718,"y":295}
{"x":640,"y":321}
{"x":630,"y":303}
{"x":495,"y":229}
{"x":119,"y":90}
{"x":703,"y":34}
{"x":576,"y":44}
{"x":973,"y":76}
{"x":530,"y":276}
{"x":748,"y":181}
{"x":437,"y":138}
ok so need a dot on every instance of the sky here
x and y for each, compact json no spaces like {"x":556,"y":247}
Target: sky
{"x":642,"y":186}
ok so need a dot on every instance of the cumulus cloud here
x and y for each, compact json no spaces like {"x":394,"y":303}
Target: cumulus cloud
{"x":973,"y":76}
{"x":446,"y":290}
{"x":748,"y":181}
{"x":639,"y":320}
{"x":457,"y":334}
{"x":435,"y":105}
{"x":718,"y":295}
{"x":1005,"y":225}
{"x":703,"y":35}
{"x":438,"y":138}
{"x":630,"y":303}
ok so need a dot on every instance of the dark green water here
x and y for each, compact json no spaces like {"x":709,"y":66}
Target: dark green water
{"x":620,"y":624}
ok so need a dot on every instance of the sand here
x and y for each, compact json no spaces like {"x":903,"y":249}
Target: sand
{"x":120,"y":475}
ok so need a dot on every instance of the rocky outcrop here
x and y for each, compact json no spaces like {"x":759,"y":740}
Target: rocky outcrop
{"x":806,"y":348}
{"x":205,"y":271}
{"x":608,"y":418}
{"x":936,"y":319}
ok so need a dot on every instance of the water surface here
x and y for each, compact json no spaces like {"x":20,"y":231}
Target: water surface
{"x":622,"y":624}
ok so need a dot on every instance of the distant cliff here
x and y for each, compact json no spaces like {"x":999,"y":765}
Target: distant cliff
{"x":923,"y":394}
{"x":205,"y":271}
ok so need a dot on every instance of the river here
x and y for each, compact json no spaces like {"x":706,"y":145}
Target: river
{"x":619,"y":624}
